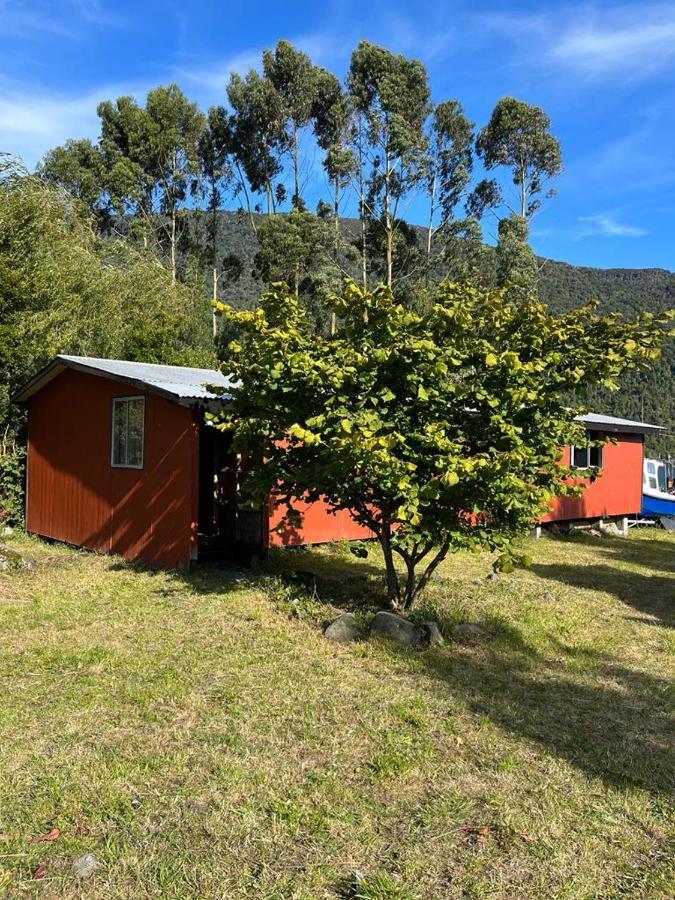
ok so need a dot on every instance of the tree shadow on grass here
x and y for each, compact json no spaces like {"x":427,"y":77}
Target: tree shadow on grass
{"x":338,"y":580}
{"x":657,"y":553}
{"x":650,"y":595}
{"x":610,"y":721}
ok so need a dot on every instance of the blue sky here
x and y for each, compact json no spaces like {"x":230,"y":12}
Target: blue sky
{"x":604,"y":72}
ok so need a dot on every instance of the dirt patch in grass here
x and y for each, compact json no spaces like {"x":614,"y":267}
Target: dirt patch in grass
{"x":197,"y":733}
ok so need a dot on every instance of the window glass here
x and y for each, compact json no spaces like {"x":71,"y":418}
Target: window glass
{"x":595,"y":457}
{"x":580,"y":457}
{"x":662,"y":477}
{"x":127,"y":437}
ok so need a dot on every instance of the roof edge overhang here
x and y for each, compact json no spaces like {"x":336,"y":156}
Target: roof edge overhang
{"x":623,"y":428}
{"x":60,"y":364}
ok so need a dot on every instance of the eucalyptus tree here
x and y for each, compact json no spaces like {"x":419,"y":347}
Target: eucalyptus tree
{"x":334,"y":128}
{"x":518,"y":137}
{"x":448,"y":168}
{"x":391,"y":93}
{"x":259,"y":135}
{"x":294,"y":77}
{"x":152,"y":156}
{"x":217,"y":180}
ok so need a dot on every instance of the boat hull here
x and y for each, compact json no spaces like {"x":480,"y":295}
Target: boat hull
{"x":658,"y":506}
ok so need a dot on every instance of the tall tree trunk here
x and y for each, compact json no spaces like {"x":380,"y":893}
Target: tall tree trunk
{"x":173,"y":220}
{"x":336,"y":245}
{"x":430,"y":229}
{"x":215,"y":297}
{"x":387,"y":219}
{"x":296,"y":168}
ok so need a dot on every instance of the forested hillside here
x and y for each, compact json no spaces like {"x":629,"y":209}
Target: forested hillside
{"x":649,"y":395}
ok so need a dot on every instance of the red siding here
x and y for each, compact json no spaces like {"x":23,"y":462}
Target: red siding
{"x":75,"y":495}
{"x":616,"y":492}
{"x":318,"y":526}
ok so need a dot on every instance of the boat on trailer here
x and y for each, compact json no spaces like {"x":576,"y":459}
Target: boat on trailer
{"x":658,"y":488}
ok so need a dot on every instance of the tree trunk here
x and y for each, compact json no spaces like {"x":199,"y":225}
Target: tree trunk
{"x":215,"y":297}
{"x":393,"y":585}
{"x":430,"y":229}
{"x":296,"y":173}
{"x":173,"y":222}
{"x":336,"y":247}
{"x":388,"y":226}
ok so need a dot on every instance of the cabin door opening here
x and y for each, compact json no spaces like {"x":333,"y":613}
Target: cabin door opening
{"x":227,"y":528}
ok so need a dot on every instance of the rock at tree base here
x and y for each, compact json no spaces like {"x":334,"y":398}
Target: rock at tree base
{"x":12,"y":559}
{"x":470,"y":632}
{"x":344,"y":629}
{"x":396,"y":628}
{"x":86,"y":865}
{"x":434,"y":636}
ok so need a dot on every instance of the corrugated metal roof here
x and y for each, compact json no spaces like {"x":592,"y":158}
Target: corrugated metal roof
{"x":180,"y":383}
{"x":612,"y":423}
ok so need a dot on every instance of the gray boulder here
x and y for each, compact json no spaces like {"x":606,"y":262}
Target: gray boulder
{"x":344,"y":629}
{"x":396,"y":628}
{"x":86,"y":865}
{"x":434,"y":636}
{"x":470,"y":632}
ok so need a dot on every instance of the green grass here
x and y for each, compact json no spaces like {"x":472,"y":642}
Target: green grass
{"x":200,"y":736}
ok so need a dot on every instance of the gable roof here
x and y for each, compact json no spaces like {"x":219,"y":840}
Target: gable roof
{"x":181,"y":384}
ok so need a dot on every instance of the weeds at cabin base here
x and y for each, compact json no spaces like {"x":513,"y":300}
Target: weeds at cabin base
{"x":198,"y":734}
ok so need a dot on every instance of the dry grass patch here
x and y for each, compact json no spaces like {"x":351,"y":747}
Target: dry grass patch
{"x":199,"y":735}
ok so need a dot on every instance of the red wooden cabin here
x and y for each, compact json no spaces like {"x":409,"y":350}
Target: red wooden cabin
{"x":122,"y":460}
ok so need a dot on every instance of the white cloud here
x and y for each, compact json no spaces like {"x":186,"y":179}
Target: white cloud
{"x":33,"y":120}
{"x":632,"y":43}
{"x":626,"y":41}
{"x":606,"y":225}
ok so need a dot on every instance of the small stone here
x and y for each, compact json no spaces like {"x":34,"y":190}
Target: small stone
{"x":136,"y":802}
{"x":470,"y":632}
{"x":7,"y":531}
{"x":28,"y":563}
{"x":396,"y":628}
{"x":434,"y":636}
{"x":344,"y":629}
{"x":85,"y":866}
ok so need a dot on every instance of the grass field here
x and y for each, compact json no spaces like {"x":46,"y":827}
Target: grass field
{"x":200,"y":736}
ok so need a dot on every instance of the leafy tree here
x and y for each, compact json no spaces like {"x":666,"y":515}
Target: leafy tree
{"x":518,"y":136}
{"x":79,"y":168}
{"x":294,"y":77}
{"x":516,"y":262}
{"x":65,"y":290}
{"x":438,"y":430}
{"x":291,"y":246}
{"x":392,"y":93}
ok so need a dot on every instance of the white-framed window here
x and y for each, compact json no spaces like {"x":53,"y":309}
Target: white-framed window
{"x":128,"y":430}
{"x":585,"y":457}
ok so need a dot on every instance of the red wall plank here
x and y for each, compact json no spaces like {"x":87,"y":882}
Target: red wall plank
{"x":616,"y":492}
{"x":75,"y":495}
{"x":319,"y":526}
